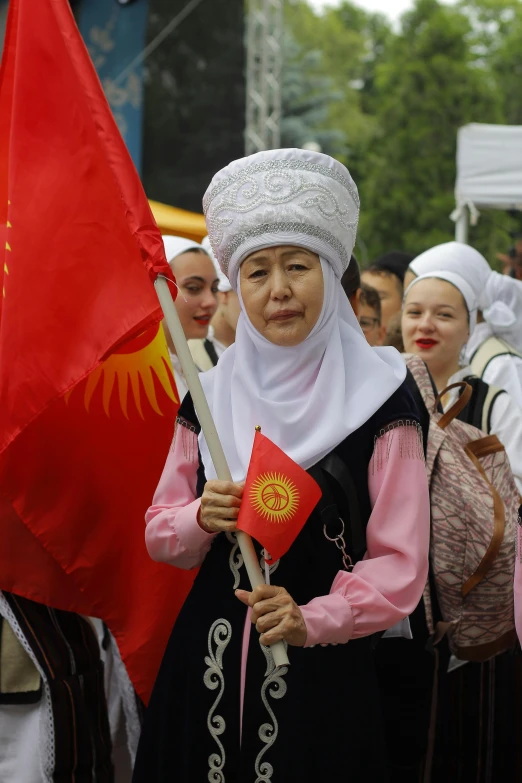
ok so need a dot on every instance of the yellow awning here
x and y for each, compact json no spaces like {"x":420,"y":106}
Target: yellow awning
{"x":178,"y":222}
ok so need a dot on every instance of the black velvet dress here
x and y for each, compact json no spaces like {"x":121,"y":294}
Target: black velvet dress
{"x":317,"y":720}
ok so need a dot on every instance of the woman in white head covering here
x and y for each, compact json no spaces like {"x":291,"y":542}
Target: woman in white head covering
{"x":438,"y":320}
{"x":439,"y":315}
{"x":196,"y":303}
{"x":494,"y":350}
{"x":282,"y":225}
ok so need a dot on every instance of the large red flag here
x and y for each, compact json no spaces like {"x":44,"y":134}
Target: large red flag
{"x":278,"y":498}
{"x":79,"y":228}
{"x":87,"y":398}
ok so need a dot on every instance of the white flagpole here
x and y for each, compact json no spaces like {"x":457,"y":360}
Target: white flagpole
{"x":209,"y":430}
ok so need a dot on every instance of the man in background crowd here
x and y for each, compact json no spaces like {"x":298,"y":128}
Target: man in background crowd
{"x":386,"y":275}
{"x":370,"y":316}
{"x":365,"y":302}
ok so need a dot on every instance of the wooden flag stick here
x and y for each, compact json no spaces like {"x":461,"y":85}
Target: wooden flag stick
{"x":215,"y":448}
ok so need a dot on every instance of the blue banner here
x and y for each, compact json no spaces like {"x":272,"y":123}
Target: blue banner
{"x":115,"y":33}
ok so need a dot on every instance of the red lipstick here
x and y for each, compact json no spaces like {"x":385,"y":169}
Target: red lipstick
{"x":426,"y":343}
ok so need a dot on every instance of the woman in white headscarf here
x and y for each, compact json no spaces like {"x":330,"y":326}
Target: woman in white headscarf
{"x":494,"y":350}
{"x":282,"y":224}
{"x":438,"y":319}
{"x":196,"y":303}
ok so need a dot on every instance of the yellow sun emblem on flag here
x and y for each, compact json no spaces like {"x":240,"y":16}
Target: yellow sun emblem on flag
{"x":131,"y":370}
{"x":274,"y":496}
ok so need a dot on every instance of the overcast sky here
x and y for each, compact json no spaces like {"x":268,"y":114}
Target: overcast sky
{"x":393,"y":8}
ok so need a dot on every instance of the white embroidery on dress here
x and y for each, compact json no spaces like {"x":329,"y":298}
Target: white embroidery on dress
{"x":235,"y":559}
{"x":274,"y":686}
{"x":219,"y":635}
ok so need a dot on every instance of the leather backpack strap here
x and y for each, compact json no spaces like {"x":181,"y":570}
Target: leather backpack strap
{"x":421,"y":375}
{"x":457,"y":406}
{"x":475,"y":450}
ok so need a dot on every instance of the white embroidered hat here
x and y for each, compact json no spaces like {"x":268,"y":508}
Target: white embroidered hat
{"x":282,"y":197}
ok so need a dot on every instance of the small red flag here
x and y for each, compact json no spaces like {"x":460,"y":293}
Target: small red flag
{"x":278,"y":498}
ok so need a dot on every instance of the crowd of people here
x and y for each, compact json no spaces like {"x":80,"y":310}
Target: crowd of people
{"x":289,"y":334}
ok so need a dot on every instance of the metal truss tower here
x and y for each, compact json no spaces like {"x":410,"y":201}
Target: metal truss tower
{"x":264,"y":72}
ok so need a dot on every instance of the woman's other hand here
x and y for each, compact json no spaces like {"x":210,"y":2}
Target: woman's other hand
{"x":275,"y":615}
{"x":220,"y":504}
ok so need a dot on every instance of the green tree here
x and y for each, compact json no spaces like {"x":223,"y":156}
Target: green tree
{"x":307,"y":98}
{"x":430,"y":83}
{"x":497,"y":28}
{"x":332,"y":51}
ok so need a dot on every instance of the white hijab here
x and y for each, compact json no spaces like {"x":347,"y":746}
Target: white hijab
{"x":501,"y":304}
{"x":175,"y":246}
{"x":307,"y":398}
{"x":456,"y":257}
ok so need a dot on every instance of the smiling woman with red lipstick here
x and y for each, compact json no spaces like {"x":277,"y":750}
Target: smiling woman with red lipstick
{"x":435,"y":325}
{"x":439,"y":316}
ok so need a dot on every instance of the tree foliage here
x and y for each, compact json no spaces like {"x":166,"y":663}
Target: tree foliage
{"x":401,"y":96}
{"x":307,"y":96}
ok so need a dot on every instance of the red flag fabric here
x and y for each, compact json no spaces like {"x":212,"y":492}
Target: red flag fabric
{"x":79,"y":233}
{"x":87,"y":397}
{"x":278,"y":498}
{"x":79,"y":479}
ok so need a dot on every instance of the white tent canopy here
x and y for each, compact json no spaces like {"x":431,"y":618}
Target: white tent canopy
{"x":489,"y":171}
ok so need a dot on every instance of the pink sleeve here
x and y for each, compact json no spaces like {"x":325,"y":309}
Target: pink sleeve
{"x":172,"y":534}
{"x":386,"y":586}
